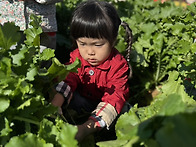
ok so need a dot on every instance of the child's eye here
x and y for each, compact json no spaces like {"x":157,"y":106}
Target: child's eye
{"x":99,"y":44}
{"x":82,"y":44}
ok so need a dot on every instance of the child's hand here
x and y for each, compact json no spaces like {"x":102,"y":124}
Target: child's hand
{"x":81,"y":134}
{"x":85,"y":129}
{"x":58,"y":100}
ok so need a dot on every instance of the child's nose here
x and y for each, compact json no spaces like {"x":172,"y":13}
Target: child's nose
{"x":91,"y":51}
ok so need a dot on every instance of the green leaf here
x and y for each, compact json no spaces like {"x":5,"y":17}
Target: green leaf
{"x":174,"y":86}
{"x":67,"y":135}
{"x":4,"y":103}
{"x":48,"y":131}
{"x":184,"y":47}
{"x":17,"y":58}
{"x":148,"y":28}
{"x":24,"y":87}
{"x":172,"y":105}
{"x":27,"y":139}
{"x":158,"y":42}
{"x":33,"y":36}
{"x":35,"y":21}
{"x":7,"y":129}
{"x":47,"y":54}
{"x":60,"y":133}
{"x":113,"y":143}
{"x":177,"y":28}
{"x":178,"y":130}
{"x":129,"y":121}
{"x":25,"y":104}
{"x":45,"y":111}
{"x":32,"y":73}
{"x":5,"y":67}
{"x":60,"y":70}
{"x":9,"y":35}
{"x":193,"y":47}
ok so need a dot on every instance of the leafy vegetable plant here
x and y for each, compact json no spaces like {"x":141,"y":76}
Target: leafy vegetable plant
{"x":163,"y":38}
{"x":25,"y":112}
{"x":168,"y":121}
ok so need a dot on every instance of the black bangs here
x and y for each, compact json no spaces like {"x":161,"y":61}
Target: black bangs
{"x":90,"y":28}
{"x":94,"y":20}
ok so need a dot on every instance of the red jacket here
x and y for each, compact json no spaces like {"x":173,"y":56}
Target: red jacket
{"x":105,"y":83}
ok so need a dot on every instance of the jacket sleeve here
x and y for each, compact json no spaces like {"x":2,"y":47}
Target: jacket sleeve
{"x":106,"y":113}
{"x":116,"y":94}
{"x":48,"y":1}
{"x":117,"y":91}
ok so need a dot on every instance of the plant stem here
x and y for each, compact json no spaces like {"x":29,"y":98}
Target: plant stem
{"x":158,"y":69}
{"x":26,"y":120}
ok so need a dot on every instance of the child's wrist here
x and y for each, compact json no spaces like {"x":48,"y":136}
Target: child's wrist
{"x":64,"y":90}
{"x":100,"y":123}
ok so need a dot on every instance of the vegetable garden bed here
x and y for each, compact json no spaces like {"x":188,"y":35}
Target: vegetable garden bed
{"x":163,"y":53}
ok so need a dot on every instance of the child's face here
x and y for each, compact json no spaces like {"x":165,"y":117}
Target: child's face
{"x":94,"y":51}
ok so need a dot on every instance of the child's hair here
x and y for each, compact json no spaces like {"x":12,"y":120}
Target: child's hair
{"x":98,"y":19}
